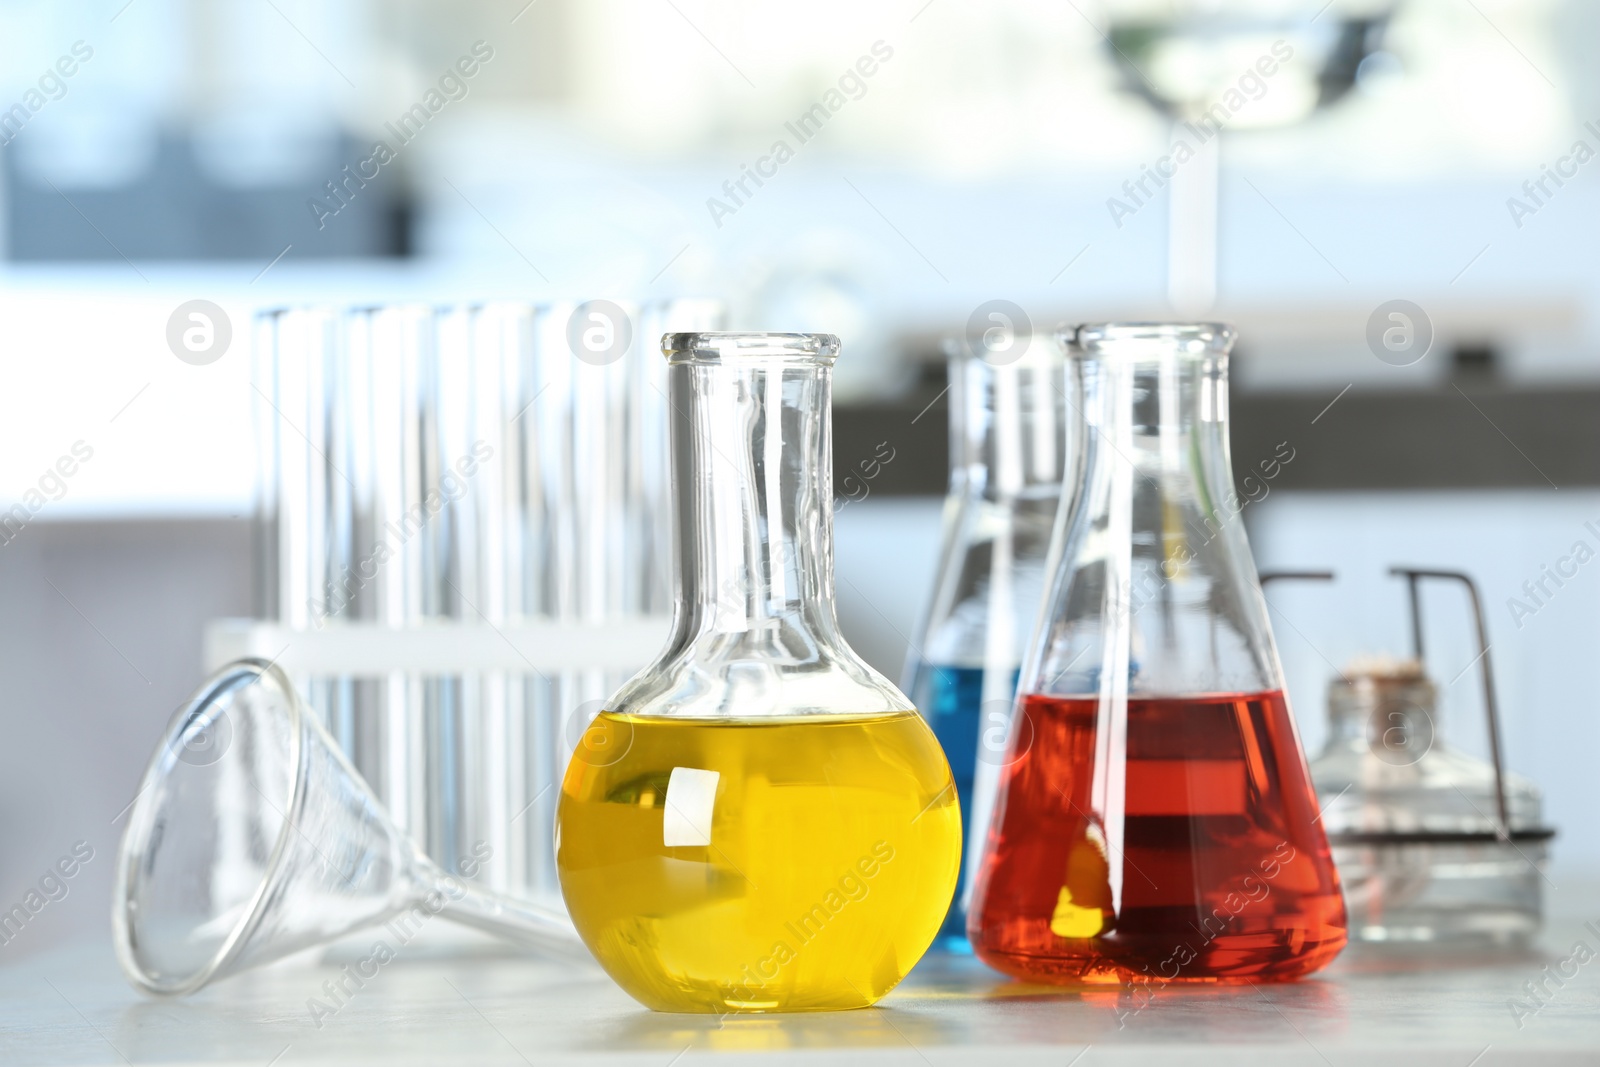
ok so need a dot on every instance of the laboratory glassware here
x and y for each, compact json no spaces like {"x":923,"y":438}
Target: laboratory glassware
{"x":1434,"y":846}
{"x":1155,"y":821}
{"x":252,"y":837}
{"x":649,"y":478}
{"x":758,"y":821}
{"x":1008,"y":432}
{"x":343,"y":424}
{"x":309,"y":494}
{"x":487,"y":463}
{"x":585,"y":358}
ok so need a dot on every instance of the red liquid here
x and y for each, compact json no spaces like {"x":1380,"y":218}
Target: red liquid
{"x":1224,"y":870}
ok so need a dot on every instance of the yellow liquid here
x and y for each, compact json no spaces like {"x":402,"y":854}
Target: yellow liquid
{"x":794,"y":865}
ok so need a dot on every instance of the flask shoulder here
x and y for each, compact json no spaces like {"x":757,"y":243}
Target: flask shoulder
{"x":738,"y":677}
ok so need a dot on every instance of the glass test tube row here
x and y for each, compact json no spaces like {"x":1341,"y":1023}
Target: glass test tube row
{"x":484,"y":464}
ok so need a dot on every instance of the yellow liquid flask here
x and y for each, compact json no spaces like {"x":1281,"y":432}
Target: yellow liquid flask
{"x":759,"y":821}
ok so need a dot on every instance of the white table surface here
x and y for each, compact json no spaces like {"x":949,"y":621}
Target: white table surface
{"x":472,"y":1003}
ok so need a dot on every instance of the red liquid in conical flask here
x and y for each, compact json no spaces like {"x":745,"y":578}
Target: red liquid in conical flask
{"x":1217,"y":867}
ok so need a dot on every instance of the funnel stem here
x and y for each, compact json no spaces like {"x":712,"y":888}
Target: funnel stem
{"x":544,"y":929}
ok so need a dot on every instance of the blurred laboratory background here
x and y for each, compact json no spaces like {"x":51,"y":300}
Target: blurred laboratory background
{"x":889,"y":172}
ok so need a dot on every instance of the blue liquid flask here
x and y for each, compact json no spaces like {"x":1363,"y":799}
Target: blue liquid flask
{"x":1008,"y":434}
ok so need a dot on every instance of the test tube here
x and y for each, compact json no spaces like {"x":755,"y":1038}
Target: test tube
{"x":538,"y":579}
{"x":489,"y":446}
{"x":473,"y":464}
{"x":306,"y":496}
{"x":333,"y":434}
{"x":264,"y":419}
{"x":512,"y":541}
{"x":399,"y":345}
{"x":365,"y":739}
{"x":563,"y":695}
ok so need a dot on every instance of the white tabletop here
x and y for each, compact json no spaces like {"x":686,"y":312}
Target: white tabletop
{"x":472,"y":1003}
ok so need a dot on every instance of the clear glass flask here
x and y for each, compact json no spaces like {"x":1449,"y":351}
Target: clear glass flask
{"x":1155,"y":821}
{"x":758,"y":821}
{"x":1007,"y":443}
{"x":1434,"y":845}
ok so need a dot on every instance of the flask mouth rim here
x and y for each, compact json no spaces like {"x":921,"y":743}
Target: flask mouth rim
{"x":718,"y":346}
{"x":1147,"y":339}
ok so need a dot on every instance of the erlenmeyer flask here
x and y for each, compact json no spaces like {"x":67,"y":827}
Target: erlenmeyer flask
{"x":1007,"y":439}
{"x":1156,"y":821}
{"x":758,"y":821}
{"x":252,"y":837}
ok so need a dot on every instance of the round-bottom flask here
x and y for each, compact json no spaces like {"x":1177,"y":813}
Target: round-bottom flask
{"x":758,"y":821}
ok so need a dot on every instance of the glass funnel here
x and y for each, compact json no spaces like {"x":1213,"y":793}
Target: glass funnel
{"x":758,"y":821}
{"x":1007,"y":439}
{"x":252,"y":837}
{"x":1155,"y":821}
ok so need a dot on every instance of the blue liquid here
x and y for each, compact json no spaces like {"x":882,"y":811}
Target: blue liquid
{"x":951,"y":700}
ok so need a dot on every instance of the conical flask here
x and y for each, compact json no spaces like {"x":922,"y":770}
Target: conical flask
{"x":758,"y":821}
{"x":252,"y":837}
{"x":1008,"y":432}
{"x":1155,"y":821}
